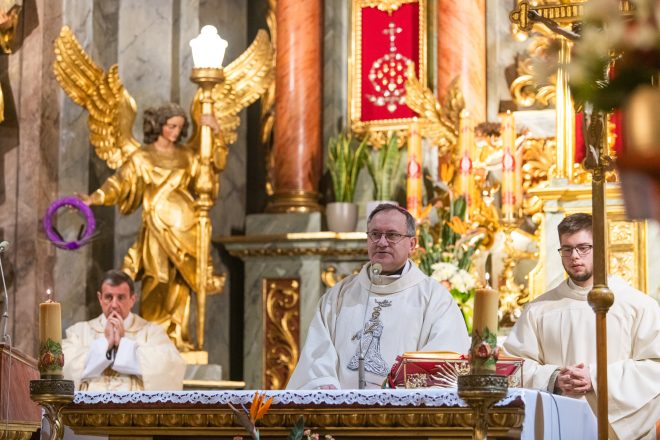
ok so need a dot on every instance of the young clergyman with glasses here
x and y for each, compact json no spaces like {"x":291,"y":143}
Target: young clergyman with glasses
{"x":365,"y":321}
{"x":556,"y":335}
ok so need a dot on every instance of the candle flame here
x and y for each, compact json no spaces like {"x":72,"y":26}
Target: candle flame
{"x":49,"y":294}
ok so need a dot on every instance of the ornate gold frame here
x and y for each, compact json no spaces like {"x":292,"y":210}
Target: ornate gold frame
{"x":355,"y":58}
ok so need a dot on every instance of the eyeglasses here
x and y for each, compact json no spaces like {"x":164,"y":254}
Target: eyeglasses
{"x":582,"y":250}
{"x":391,"y":237}
{"x":107,"y":299}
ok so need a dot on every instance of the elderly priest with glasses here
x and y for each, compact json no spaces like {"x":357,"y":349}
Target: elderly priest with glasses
{"x":556,"y":335}
{"x":365,"y":321}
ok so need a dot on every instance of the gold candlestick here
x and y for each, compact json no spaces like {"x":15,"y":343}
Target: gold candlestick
{"x":51,"y":392}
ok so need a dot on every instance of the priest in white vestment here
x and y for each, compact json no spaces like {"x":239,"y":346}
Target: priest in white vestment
{"x":556,"y":335}
{"x":119,"y":350}
{"x":374,"y":316}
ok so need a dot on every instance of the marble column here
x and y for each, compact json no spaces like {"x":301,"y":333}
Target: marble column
{"x":298,"y":99}
{"x":462,"y":51}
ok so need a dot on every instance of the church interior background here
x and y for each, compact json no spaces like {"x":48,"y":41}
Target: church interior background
{"x":270,"y":234}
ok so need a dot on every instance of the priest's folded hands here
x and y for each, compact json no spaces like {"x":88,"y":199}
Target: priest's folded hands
{"x":574,"y":380}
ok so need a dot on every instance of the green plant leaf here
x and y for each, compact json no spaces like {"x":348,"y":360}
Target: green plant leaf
{"x":384,"y":167}
{"x":297,"y":430}
{"x":346,"y":157}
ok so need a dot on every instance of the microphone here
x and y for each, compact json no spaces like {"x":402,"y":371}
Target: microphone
{"x":374,"y":271}
{"x":4,"y":246}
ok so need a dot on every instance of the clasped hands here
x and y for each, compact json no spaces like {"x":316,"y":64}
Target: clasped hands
{"x":114,"y":329}
{"x":574,"y":381}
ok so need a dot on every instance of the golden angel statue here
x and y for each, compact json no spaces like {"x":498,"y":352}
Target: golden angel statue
{"x":161,"y":174}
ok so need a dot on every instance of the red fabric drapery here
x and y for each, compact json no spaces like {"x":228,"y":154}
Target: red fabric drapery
{"x":388,"y":42}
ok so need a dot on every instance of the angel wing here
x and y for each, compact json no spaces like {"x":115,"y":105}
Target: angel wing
{"x":111,"y":109}
{"x":246,"y":79}
{"x":438,"y":123}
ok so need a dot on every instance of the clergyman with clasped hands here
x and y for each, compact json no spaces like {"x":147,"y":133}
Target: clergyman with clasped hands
{"x":556,"y":336}
{"x":390,"y":307}
{"x":118,"y":350}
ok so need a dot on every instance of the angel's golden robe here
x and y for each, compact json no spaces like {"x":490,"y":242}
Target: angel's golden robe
{"x":164,"y":256}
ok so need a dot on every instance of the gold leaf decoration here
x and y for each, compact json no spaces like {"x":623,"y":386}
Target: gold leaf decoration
{"x":438,"y":123}
{"x":111,"y":109}
{"x":246,"y":79}
{"x":281,"y":326}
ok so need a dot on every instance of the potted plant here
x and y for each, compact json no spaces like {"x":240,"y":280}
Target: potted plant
{"x":346,"y":157}
{"x":383,"y":169}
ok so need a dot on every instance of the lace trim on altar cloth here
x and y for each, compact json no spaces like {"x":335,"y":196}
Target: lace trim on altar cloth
{"x":392,"y":397}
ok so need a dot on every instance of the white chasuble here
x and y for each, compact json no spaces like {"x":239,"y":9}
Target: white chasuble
{"x":558,"y":329}
{"x":146,"y":359}
{"x":408,"y":313}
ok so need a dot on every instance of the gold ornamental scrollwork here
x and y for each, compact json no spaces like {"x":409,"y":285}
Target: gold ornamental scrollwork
{"x":388,"y":6}
{"x":281,"y":330}
{"x":438,"y":122}
{"x":267,"y":111}
{"x":330,"y":276}
{"x":627,"y":250}
{"x":525,"y":89}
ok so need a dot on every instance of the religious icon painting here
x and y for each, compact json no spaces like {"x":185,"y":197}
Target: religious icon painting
{"x":388,"y":36}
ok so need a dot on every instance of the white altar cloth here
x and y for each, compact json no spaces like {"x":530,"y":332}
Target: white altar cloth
{"x":547,"y":417}
{"x":552,"y":417}
{"x":440,"y":397}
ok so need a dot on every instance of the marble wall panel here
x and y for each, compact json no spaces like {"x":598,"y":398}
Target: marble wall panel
{"x":10,"y":81}
{"x":71,"y":268}
{"x":336,"y":34}
{"x":34,"y":159}
{"x":186,"y":27}
{"x":308,"y":270}
{"x":95,"y":25}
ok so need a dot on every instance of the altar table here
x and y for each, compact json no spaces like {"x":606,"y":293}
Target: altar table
{"x":345,"y":414}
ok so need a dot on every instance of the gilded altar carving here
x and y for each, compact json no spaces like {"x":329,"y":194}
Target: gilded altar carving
{"x":384,"y":5}
{"x":438,"y":122}
{"x":330,"y":276}
{"x":281,"y":330}
{"x":525,"y":89}
{"x":366,"y":422}
{"x":267,"y":111}
{"x":626,"y":250}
